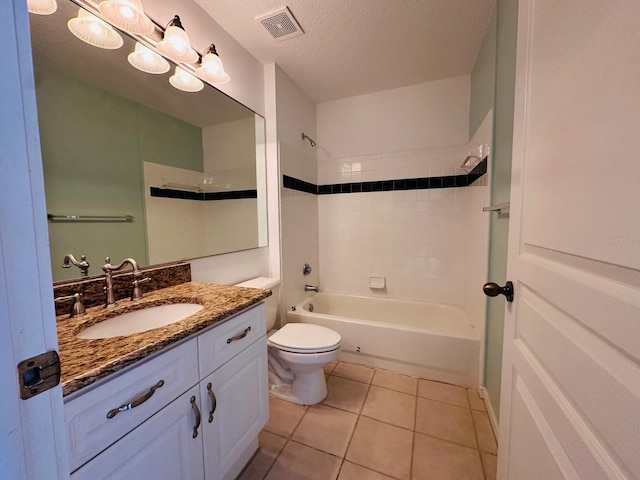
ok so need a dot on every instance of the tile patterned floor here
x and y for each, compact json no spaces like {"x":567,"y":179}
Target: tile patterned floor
{"x":378,"y":425}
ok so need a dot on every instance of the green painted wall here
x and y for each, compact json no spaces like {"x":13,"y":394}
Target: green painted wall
{"x":492,"y":86}
{"x":169,"y":141}
{"x":483,"y":78}
{"x":93,"y":144}
{"x":506,"y":35}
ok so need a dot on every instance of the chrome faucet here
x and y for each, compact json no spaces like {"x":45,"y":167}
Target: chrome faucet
{"x":108,"y":270}
{"x":83,"y":265}
{"x":311,"y":288}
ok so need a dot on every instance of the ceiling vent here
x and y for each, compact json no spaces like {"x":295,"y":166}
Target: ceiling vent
{"x":281,"y":24}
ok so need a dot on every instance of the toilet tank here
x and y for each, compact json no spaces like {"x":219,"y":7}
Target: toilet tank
{"x":271,"y":302}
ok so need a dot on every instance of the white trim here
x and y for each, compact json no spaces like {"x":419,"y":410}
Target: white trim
{"x":484,"y":394}
{"x":37,"y":439}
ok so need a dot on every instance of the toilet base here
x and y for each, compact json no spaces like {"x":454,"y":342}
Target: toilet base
{"x":306,"y":389}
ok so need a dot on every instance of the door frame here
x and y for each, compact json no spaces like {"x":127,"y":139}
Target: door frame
{"x":33,"y":435}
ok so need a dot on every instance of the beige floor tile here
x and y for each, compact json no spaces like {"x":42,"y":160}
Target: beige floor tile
{"x":299,"y":462}
{"x":484,"y":432}
{"x":328,"y":368}
{"x":270,"y":446}
{"x":445,"y":421}
{"x":327,"y":429}
{"x":475,"y":401}
{"x":390,"y":406}
{"x":395,"y":381}
{"x":351,"y":471}
{"x":490,"y":465}
{"x":381,"y":447}
{"x":439,"y":460}
{"x":353,"y":371}
{"x":283,"y":417}
{"x":346,"y":394}
{"x":443,"y":392}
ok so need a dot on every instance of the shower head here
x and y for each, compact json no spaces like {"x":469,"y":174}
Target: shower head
{"x":311,"y":141}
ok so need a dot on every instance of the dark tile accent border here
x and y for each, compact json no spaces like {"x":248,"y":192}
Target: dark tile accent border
{"x":388,"y":185}
{"x":478,"y":171}
{"x":300,"y":185}
{"x":161,"y":276}
{"x":205,"y":196}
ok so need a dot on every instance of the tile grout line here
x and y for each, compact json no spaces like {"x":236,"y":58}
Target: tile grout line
{"x":359,"y":415}
{"x":287,"y":440}
{"x":344,"y":457}
{"x":475,"y":433}
{"x":415,"y":421}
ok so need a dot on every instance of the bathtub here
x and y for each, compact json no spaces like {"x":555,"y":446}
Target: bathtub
{"x":427,"y":340}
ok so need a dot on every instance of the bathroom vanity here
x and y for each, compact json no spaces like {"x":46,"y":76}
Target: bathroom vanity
{"x":182,"y":401}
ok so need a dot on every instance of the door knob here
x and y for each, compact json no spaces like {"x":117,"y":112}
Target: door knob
{"x":493,"y":290}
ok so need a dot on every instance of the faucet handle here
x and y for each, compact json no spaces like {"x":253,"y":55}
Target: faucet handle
{"x":136,"y":293}
{"x":77,"y":308}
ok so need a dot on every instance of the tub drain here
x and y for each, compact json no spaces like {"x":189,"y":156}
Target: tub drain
{"x":310,"y":307}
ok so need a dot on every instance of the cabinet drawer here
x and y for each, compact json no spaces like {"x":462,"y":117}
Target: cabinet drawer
{"x":225,"y":341}
{"x":90,"y":431}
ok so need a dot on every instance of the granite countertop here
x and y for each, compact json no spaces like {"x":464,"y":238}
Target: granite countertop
{"x":86,"y":361}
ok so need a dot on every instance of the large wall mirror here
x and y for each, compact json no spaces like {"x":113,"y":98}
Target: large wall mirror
{"x":134,"y":167}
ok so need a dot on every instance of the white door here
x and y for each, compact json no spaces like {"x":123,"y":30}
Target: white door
{"x":32,"y":435}
{"x":570,"y":403}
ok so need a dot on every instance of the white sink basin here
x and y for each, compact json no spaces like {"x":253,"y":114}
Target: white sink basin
{"x":140,"y":320}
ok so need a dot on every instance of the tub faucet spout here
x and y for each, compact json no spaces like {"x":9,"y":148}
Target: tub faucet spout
{"x":311,"y":288}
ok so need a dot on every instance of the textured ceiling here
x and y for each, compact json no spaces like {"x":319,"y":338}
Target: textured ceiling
{"x":353,"y":47}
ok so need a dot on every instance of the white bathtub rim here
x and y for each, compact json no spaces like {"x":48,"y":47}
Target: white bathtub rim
{"x":461,"y":308}
{"x":473,"y":333}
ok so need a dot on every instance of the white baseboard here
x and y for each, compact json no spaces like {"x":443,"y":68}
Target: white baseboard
{"x":484,"y":394}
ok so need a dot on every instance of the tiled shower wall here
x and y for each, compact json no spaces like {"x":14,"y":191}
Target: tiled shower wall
{"x":431,"y":245}
{"x":299,"y":217}
{"x":417,"y":239}
{"x":298,"y":210}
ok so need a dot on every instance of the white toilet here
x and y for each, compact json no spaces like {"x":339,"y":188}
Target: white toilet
{"x":298,"y":352}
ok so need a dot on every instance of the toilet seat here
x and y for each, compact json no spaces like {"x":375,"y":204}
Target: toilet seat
{"x":305,"y":338}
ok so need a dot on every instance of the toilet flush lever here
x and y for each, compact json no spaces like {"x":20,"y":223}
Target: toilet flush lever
{"x":493,"y":290}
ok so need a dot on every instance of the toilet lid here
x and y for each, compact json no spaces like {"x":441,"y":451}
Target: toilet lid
{"x":305,"y":338}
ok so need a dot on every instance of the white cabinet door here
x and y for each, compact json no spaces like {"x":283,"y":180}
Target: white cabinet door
{"x":162,"y":448}
{"x":242,"y":409}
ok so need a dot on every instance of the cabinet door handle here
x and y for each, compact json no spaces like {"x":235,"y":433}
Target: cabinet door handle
{"x":196,"y":410}
{"x":138,"y":401}
{"x":240,"y":336}
{"x":214,"y":402}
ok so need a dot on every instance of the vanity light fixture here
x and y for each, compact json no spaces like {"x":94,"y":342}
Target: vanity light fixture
{"x":90,"y":29}
{"x":42,"y":7}
{"x":211,"y":69}
{"x":183,"y":80}
{"x":175,"y":44}
{"x":128,"y":15}
{"x":148,"y":61}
